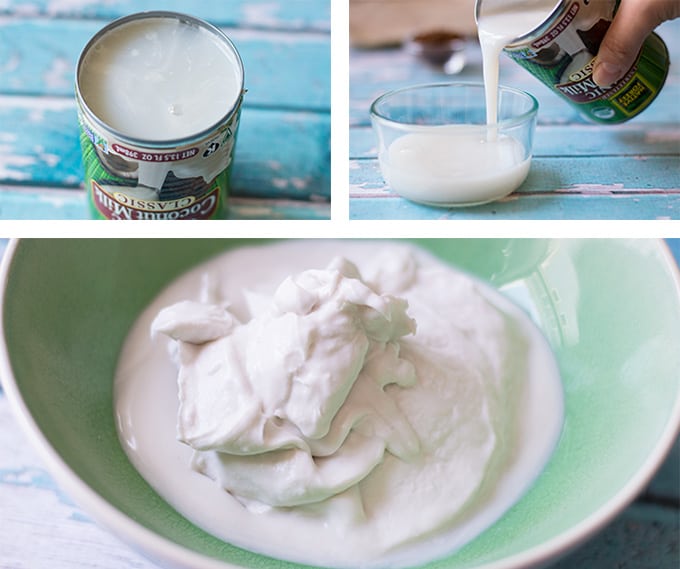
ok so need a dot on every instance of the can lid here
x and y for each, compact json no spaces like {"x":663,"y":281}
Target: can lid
{"x":136,"y":77}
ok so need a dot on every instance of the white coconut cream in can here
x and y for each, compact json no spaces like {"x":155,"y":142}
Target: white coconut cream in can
{"x":159,"y":99}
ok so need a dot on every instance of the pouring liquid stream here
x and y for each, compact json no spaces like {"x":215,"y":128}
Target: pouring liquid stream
{"x":498,"y":24}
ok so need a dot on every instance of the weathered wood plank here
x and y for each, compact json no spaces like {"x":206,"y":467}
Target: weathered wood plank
{"x":244,"y":208}
{"x":50,"y":203}
{"x":559,"y":175}
{"x":528,"y":207}
{"x":283,"y":69}
{"x":41,"y":526}
{"x":39,"y":141}
{"x":283,"y":155}
{"x":574,"y":140}
{"x":288,"y":14}
{"x":279,"y":154}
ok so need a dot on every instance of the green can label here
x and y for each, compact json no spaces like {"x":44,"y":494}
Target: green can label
{"x":131,"y":182}
{"x":562,"y":53}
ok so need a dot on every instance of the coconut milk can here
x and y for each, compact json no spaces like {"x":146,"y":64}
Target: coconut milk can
{"x":562,"y":48}
{"x":159,"y":99}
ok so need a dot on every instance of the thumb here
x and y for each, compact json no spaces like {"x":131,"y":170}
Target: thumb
{"x":633,"y":22}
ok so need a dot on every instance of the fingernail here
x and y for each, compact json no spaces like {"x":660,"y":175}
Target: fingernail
{"x":606,"y":73}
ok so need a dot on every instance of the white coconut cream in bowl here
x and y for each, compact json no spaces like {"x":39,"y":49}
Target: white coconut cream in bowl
{"x":356,"y":447}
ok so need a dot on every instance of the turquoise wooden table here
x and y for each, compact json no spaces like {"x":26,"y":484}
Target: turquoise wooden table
{"x":580,"y":170}
{"x":282,"y":164}
{"x":41,"y":528}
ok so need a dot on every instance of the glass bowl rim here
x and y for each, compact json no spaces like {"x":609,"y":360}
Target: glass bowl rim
{"x":505,"y":123}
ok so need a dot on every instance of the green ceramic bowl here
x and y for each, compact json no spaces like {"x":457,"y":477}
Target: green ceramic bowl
{"x":610,"y":309}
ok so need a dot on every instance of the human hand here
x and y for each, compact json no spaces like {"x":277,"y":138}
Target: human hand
{"x":634,"y":21}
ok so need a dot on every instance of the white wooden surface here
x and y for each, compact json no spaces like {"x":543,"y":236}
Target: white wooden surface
{"x":41,"y":528}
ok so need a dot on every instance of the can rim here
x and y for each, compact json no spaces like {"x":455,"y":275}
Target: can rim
{"x":542,"y":27}
{"x":161,"y":143}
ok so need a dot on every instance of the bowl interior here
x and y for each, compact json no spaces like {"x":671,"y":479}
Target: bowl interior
{"x":608,"y":307}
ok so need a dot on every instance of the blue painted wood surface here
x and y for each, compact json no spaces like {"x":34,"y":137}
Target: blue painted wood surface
{"x":263,"y":14}
{"x":41,"y":527}
{"x":580,"y":170}
{"x":283,"y":152}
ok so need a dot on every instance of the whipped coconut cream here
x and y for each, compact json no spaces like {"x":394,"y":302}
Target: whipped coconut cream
{"x":345,"y":404}
{"x":289,"y":408}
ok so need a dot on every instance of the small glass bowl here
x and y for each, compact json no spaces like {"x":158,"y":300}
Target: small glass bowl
{"x":435,"y":147}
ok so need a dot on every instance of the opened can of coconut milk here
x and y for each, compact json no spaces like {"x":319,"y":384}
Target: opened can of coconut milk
{"x":159,"y":98}
{"x":561,"y":53}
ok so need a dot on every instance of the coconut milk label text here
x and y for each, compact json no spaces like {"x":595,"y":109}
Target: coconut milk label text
{"x":134,"y":183}
{"x":562,"y":53}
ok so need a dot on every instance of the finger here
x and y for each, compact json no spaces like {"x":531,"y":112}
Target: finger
{"x":633,"y":22}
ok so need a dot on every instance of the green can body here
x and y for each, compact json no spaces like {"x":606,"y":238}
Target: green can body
{"x":562,"y":51}
{"x":134,"y":179}
{"x":112,"y":171}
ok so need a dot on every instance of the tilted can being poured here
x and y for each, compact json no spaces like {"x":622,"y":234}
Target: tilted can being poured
{"x":159,"y":99}
{"x":562,"y":50}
